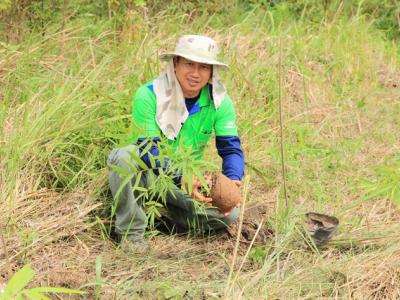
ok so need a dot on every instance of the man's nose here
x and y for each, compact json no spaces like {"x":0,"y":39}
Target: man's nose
{"x":196,"y":71}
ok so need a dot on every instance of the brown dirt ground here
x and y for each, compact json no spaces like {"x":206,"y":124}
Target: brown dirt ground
{"x":254,"y":216}
{"x":56,"y":234}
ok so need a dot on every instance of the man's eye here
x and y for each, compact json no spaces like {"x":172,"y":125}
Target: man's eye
{"x":205,"y":67}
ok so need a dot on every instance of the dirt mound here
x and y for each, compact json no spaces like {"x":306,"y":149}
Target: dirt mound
{"x":254,"y":217}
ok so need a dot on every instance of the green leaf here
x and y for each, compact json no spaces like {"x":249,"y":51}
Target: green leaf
{"x":57,"y":290}
{"x":117,"y":194}
{"x":120,"y":170}
{"x":361,"y":103}
{"x":396,"y":195}
{"x":152,"y":161}
{"x":98,"y":277}
{"x":139,"y":188}
{"x":18,"y":281}
{"x":146,"y":149}
{"x":135,"y":158}
{"x":140,"y":2}
{"x":170,"y":292}
{"x":137,"y":180}
{"x":33,"y":295}
{"x":98,"y":269}
{"x":154,"y":203}
{"x":6,"y":4}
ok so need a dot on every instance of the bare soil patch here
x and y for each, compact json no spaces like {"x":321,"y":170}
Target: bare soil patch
{"x":254,"y":227}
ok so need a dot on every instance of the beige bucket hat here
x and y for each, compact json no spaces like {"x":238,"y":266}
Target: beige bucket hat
{"x":197,"y":48}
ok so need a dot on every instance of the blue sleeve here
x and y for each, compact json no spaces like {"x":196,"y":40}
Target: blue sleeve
{"x":232,"y":156}
{"x":154,"y":152}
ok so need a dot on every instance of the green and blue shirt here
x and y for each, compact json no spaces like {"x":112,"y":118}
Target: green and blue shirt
{"x":203,"y":122}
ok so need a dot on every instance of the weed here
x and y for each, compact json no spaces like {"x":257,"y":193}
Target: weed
{"x":386,"y":182}
{"x":16,"y":287}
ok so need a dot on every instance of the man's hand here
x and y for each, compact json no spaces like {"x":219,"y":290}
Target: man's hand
{"x":196,"y":190}
{"x":199,"y":196}
{"x":239,"y":185}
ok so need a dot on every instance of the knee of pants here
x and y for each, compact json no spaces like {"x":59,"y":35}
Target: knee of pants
{"x":233,"y":216}
{"x":228,"y":220}
{"x":214,"y":222}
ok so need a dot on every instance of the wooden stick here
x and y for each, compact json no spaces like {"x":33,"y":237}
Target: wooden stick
{"x":230,"y":283}
{"x":281,"y":124}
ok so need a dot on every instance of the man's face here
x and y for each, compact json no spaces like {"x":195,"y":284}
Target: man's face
{"x":192,"y":76}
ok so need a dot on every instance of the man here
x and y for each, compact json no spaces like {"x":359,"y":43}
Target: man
{"x":185,"y":105}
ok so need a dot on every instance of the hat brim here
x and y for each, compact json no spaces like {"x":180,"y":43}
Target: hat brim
{"x":168,"y":56}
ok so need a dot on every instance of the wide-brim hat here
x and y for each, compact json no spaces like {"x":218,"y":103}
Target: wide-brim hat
{"x":197,"y":48}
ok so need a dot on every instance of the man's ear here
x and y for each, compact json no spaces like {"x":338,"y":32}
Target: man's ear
{"x":210,"y":80}
{"x":175,"y":60}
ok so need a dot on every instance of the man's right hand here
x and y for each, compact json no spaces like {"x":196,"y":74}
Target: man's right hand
{"x":196,"y":191}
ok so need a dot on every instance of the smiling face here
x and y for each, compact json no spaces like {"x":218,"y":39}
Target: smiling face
{"x":192,"y":76}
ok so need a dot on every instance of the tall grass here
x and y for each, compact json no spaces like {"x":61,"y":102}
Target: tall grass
{"x":66,"y":99}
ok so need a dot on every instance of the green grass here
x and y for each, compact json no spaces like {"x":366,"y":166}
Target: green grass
{"x":65,"y":103}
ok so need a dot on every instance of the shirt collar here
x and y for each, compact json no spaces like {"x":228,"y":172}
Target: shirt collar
{"x":204,"y":99}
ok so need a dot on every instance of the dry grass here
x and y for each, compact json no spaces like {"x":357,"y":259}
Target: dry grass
{"x":362,"y":261}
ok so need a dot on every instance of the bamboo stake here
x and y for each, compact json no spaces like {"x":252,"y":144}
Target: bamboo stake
{"x":281,"y":124}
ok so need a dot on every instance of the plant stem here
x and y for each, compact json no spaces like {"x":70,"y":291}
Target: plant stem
{"x":229,"y":285}
{"x":5,"y":251}
{"x":281,"y":124}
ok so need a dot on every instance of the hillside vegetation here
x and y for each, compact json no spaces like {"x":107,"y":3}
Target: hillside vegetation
{"x":68,"y":71}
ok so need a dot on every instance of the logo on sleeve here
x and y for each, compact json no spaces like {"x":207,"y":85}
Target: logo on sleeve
{"x":230,"y":125}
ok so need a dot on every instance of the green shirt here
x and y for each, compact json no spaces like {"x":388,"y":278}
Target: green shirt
{"x":198,"y":127}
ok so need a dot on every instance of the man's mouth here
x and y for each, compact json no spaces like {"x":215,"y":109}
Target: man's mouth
{"x":193,"y":82}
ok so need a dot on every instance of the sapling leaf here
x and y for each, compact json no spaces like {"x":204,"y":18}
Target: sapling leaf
{"x":34,"y":295}
{"x":146,"y":149}
{"x":18,"y":281}
{"x":152,"y":161}
{"x":120,"y":170}
{"x":117,"y":194}
{"x":57,"y":290}
{"x":136,"y":159}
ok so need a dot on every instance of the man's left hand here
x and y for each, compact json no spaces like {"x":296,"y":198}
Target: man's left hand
{"x":238,"y":183}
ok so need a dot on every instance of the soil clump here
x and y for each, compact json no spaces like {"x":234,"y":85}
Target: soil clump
{"x":224,"y":192}
{"x":254,"y":217}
